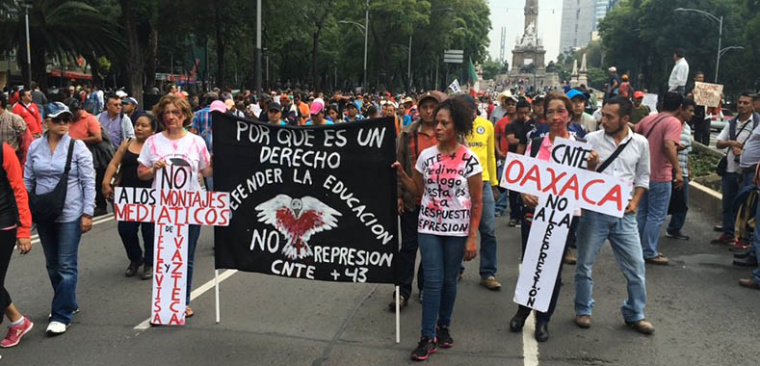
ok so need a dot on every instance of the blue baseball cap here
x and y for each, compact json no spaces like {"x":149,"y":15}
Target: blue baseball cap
{"x":575,"y":93}
{"x":56,"y":109}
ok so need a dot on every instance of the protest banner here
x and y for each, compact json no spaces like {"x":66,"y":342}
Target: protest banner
{"x":172,"y":207}
{"x":315,"y":203}
{"x":562,"y":186}
{"x":707,"y":94}
{"x":650,"y":100}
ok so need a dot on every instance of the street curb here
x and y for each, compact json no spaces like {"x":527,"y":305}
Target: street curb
{"x":706,"y":200}
{"x":706,"y":149}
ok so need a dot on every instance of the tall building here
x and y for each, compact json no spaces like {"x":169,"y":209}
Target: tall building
{"x":578,"y":21}
{"x":602,"y":8}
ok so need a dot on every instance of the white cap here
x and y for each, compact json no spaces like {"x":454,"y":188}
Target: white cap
{"x":613,"y":69}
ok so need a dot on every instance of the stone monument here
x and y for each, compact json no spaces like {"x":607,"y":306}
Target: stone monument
{"x":528,"y":54}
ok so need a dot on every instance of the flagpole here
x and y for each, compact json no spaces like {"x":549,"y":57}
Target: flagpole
{"x":398,"y":315}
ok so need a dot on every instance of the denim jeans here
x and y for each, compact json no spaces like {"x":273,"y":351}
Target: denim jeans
{"x":60,"y":242}
{"x":678,"y":219}
{"x":441,"y":258}
{"x":653,"y":208}
{"x":593,"y":230}
{"x":487,"y":230}
{"x":194,"y":232}
{"x":128,"y":233}
{"x":731,"y":184}
{"x":403,"y":265}
{"x":503,"y":202}
{"x":756,"y":248}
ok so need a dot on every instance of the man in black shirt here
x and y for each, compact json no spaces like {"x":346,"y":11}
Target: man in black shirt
{"x":516,"y":135}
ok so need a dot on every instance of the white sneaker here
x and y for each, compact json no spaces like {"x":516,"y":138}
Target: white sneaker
{"x":56,"y":328}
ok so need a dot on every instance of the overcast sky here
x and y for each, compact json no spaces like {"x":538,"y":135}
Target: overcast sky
{"x":511,"y":14}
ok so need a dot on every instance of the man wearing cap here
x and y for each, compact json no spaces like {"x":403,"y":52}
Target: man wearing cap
{"x":680,"y":73}
{"x":275,"y":114}
{"x":613,"y":85}
{"x":580,"y":117}
{"x":504,"y":107}
{"x":353,"y":113}
{"x":84,"y":126}
{"x":317,"y":113}
{"x":129,"y":108}
{"x":639,"y":109}
{"x":288,"y":110}
{"x":412,"y":140}
{"x":410,"y":113}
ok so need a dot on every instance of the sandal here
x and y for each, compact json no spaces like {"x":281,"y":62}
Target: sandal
{"x":189,"y":312}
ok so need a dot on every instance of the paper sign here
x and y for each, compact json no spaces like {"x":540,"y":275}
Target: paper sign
{"x":707,"y":94}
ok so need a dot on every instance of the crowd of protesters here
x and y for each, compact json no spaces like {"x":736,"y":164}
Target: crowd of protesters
{"x":72,"y":148}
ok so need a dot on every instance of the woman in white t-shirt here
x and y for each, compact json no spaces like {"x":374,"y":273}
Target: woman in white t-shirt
{"x":178,"y":147}
{"x":449,"y":178}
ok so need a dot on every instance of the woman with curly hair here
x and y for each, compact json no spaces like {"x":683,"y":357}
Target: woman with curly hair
{"x":448,"y":176}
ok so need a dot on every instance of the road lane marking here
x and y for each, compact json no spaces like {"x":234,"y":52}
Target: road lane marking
{"x":195,"y":294}
{"x":530,"y":345}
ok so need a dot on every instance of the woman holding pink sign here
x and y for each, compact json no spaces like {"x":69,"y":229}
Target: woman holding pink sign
{"x":177,"y":146}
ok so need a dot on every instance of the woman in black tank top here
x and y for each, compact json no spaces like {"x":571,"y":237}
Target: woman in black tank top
{"x":125,"y":160}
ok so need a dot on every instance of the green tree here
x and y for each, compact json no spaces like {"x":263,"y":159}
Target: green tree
{"x":59,"y":28}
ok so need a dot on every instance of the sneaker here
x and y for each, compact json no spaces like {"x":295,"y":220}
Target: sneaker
{"x":132,"y":269}
{"x":740,"y":246}
{"x":718,"y":228}
{"x":659,"y":259}
{"x":443,"y":337}
{"x":676,"y":235}
{"x":512,"y":223}
{"x":56,"y":328}
{"x":642,"y":326}
{"x":570,"y":257}
{"x":724,"y":239}
{"x":491,"y":283}
{"x":499,"y":213}
{"x":425,"y":348}
{"x":16,"y":332}
{"x":402,"y":303}
{"x":147,"y":272}
{"x":749,"y":283}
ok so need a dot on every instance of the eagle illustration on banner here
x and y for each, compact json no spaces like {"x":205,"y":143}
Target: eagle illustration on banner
{"x":297,"y":219}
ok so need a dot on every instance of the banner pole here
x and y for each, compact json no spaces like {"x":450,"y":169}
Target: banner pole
{"x":398,"y":316}
{"x":216,"y":293}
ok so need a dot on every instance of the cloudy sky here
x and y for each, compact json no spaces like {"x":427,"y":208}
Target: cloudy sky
{"x":510,"y":14}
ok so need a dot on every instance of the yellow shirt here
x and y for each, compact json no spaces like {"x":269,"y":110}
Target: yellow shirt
{"x":481,"y":142}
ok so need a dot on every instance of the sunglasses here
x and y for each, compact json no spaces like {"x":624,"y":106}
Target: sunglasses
{"x":61,"y":120}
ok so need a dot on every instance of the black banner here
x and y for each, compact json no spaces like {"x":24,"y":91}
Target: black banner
{"x":308,"y":202}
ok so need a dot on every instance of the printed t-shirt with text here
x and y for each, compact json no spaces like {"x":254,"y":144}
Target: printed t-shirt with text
{"x":190,"y":148}
{"x":446,"y":201}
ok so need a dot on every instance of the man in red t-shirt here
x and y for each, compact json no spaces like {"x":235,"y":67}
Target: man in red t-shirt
{"x":85,"y":126}
{"x":664,"y":134}
{"x":29,"y":112}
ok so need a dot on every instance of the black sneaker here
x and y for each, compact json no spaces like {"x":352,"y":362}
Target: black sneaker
{"x":443,"y":337}
{"x":402,"y":303}
{"x":424,"y":349}
{"x":100,"y":211}
{"x":677,"y":235}
{"x":132,"y":269}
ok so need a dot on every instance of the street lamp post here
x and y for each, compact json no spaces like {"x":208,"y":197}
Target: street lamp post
{"x":257,"y":52}
{"x":26,"y":7}
{"x":364,"y":29}
{"x":721,"y":51}
{"x":409,"y":65}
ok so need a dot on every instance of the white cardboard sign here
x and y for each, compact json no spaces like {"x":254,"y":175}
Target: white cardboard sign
{"x":172,"y":208}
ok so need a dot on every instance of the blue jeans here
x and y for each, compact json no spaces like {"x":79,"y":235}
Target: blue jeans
{"x":503,"y":202}
{"x":593,"y":230}
{"x":756,"y":248}
{"x":60,"y":242}
{"x":487,"y":234}
{"x":441,"y":258}
{"x":194,"y":231}
{"x":128,"y":233}
{"x":678,"y":219}
{"x":653,"y":208}
{"x":731,"y":184}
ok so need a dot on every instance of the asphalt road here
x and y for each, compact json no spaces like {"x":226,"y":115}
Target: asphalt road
{"x":701,"y":315}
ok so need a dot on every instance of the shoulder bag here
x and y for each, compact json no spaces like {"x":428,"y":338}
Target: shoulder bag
{"x":47,"y":207}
